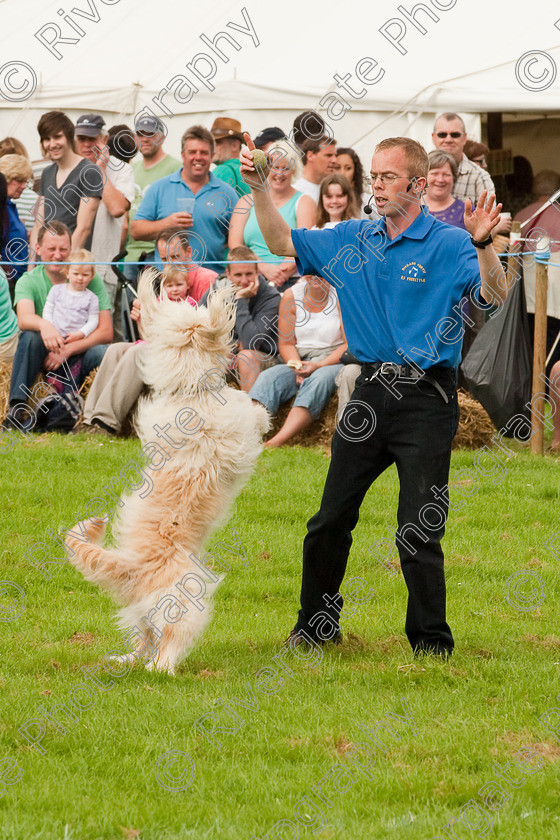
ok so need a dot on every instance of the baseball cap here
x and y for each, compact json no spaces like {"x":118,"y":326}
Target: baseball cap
{"x":269,"y":135}
{"x":89,"y":125}
{"x":148,"y":124}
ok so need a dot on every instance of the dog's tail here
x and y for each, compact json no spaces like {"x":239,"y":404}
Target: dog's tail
{"x":109,"y":569}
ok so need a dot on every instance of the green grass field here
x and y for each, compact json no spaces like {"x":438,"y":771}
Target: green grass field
{"x":287,"y":762}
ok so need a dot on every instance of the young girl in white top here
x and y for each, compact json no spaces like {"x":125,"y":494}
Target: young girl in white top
{"x":72,"y":308}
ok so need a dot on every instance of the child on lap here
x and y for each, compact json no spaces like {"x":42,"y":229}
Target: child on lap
{"x":72,"y":308}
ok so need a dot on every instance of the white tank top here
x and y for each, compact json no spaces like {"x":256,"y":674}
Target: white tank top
{"x":316,"y":330}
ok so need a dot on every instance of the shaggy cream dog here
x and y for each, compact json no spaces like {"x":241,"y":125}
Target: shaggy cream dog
{"x":192,"y":490}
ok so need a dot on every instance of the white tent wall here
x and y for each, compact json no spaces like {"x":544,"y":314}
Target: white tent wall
{"x":130,"y":50}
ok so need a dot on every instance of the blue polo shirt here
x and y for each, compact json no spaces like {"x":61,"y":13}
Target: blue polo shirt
{"x":213,"y":208}
{"x":396,"y":295}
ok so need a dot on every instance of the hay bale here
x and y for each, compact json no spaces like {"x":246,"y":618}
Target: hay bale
{"x":87,"y":383}
{"x":475,"y":427}
{"x":5,"y":376}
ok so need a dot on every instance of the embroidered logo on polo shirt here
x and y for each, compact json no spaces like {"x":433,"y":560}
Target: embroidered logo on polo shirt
{"x":413,"y":271}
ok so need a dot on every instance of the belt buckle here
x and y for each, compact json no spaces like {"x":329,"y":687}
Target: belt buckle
{"x":387,"y":367}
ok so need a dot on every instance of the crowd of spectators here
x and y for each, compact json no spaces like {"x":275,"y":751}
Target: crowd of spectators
{"x":108,"y":191}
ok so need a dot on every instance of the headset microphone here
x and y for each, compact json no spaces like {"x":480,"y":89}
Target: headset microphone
{"x":413,"y":183}
{"x":367,"y":209}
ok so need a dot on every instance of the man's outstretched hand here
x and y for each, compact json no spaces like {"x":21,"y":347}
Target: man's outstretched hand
{"x":481,"y":221}
{"x":252,"y":177}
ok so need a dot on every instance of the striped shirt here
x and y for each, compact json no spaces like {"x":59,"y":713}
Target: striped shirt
{"x":25,"y":204}
{"x":471,"y":181}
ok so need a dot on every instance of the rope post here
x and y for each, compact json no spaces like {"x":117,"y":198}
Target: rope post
{"x":514,"y":255}
{"x":542,"y":253}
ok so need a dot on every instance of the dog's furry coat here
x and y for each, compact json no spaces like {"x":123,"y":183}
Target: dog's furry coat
{"x":193,"y":490}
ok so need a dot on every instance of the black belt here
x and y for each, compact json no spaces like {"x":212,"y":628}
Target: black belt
{"x":405,"y":372}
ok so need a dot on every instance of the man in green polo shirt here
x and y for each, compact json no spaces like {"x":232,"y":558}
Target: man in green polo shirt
{"x":40,"y":344}
{"x":228,"y":139}
{"x":152,"y":165}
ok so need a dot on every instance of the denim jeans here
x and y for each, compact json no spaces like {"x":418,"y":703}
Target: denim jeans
{"x":376,"y":430}
{"x":29,"y":358}
{"x":278,"y":384}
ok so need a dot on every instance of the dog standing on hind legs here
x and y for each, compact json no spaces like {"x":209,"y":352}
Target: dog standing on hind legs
{"x":195,"y":477}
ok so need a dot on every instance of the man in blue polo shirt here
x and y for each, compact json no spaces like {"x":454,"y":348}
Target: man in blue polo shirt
{"x":400,"y":281}
{"x":163,"y":207}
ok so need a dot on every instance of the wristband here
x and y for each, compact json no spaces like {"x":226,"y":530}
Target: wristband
{"x":482,"y":245}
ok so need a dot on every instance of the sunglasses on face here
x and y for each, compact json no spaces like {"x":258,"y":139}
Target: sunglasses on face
{"x":443,"y":134}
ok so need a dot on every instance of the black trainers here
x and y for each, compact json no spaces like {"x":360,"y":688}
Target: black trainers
{"x":18,"y":419}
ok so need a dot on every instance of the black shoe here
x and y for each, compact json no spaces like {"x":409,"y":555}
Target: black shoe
{"x":98,"y":427}
{"x":18,"y":419}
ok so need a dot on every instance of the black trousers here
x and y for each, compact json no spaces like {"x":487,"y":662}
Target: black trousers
{"x":376,"y":430}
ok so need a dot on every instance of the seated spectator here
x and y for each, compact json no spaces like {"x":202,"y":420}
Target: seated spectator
{"x":71,"y":187}
{"x":116,"y":199}
{"x":41,"y":344}
{"x":118,"y":383}
{"x":214,"y":201}
{"x":337,"y":202}
{"x":349,"y":164}
{"x":319,"y":159}
{"x":228,"y":139}
{"x":546,"y":223}
{"x":476,"y":152}
{"x":15,"y":251}
{"x":172,"y":246}
{"x":268,"y":137}
{"x":175,"y":283}
{"x":297,"y":209}
{"x":73,"y":308}
{"x":439,"y":192}
{"x":311,"y":348}
{"x":9,"y":330}
{"x":256,"y":315}
{"x":28,"y":199}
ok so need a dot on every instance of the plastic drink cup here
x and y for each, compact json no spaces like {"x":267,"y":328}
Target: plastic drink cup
{"x":185,"y":205}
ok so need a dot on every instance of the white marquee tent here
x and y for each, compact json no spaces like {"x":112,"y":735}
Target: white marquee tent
{"x":117,"y":57}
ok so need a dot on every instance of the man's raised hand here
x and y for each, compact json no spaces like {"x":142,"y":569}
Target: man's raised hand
{"x":481,"y":221}
{"x":254,"y":176}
